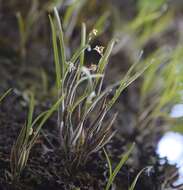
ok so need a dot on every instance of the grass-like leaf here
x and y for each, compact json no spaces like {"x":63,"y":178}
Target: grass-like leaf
{"x":5,"y":94}
{"x":126,"y":81}
{"x":118,"y":167}
{"x":108,"y":162}
{"x":85,"y":105}
{"x":56,"y":55}
{"x":61,"y":40}
{"x":132,"y":187}
{"x":27,"y":137}
{"x":83,"y":43}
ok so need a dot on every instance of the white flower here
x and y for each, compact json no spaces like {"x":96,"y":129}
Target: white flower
{"x":71,"y":66}
{"x":91,"y":96}
{"x":92,"y":34}
{"x":99,"y":49}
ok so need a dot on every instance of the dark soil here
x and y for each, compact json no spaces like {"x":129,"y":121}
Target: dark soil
{"x":47,"y":168}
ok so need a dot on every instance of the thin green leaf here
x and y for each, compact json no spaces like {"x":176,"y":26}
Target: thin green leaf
{"x":118,"y":167}
{"x":125,"y":82}
{"x":132,"y":187}
{"x":77,"y":102}
{"x":56,"y":55}
{"x":82,"y":80}
{"x":108,"y":162}
{"x":31,"y":110}
{"x":83,"y":43}
{"x":69,"y":12}
{"x":22,"y":29}
{"x":104,"y":59}
{"x":61,"y":40}
{"x":5,"y":94}
{"x":44,"y":119}
{"x":78,"y":53}
{"x":99,"y":26}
